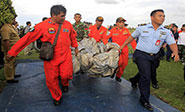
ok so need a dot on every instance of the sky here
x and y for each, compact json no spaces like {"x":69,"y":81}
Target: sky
{"x":134,"y":11}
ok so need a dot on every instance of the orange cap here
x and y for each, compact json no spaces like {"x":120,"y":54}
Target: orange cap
{"x":120,"y":19}
{"x":99,"y":18}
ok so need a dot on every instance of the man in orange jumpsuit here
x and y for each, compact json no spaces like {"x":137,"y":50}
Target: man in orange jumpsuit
{"x":61,"y":64}
{"x":119,"y":34}
{"x":97,"y":31}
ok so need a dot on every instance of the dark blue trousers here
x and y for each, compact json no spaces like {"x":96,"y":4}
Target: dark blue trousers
{"x":184,"y":72}
{"x":147,"y":64}
{"x":169,"y":52}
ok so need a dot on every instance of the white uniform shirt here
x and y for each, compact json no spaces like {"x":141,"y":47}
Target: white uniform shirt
{"x":150,"y":40}
{"x":181,"y":39}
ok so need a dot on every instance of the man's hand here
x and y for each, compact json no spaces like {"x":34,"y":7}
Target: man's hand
{"x":176,"y":56}
{"x":120,"y":50}
{"x":76,"y":51}
{"x":8,"y":57}
{"x":164,"y":45}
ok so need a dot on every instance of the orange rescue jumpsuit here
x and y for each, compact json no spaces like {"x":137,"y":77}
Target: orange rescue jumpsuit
{"x":119,"y":36}
{"x":97,"y":34}
{"x":61,"y":64}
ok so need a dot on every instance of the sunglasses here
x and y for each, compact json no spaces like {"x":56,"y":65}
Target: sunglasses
{"x":100,"y":20}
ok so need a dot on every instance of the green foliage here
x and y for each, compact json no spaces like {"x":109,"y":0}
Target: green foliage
{"x":132,"y":30}
{"x":7,"y":12}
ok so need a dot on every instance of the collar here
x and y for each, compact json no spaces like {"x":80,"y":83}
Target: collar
{"x":151,"y":26}
{"x":79,"y":23}
{"x":51,"y":22}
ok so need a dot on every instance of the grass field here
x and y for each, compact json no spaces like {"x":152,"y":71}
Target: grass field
{"x":169,"y":75}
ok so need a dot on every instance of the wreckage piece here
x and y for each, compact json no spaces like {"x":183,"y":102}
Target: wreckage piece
{"x":96,"y":59}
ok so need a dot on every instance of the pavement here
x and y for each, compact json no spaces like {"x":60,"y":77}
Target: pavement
{"x":86,"y":94}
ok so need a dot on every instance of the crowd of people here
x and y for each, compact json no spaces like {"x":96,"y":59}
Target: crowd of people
{"x":151,"y":38}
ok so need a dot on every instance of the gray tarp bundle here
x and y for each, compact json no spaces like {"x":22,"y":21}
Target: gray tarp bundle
{"x":96,"y":59}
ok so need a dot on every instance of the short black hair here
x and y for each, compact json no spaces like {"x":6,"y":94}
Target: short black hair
{"x":28,"y":22}
{"x":157,"y":10}
{"x":183,"y":25}
{"x":44,"y":18}
{"x":56,"y":9}
{"x":77,"y":14}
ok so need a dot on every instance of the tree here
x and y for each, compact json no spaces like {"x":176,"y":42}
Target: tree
{"x":7,"y":12}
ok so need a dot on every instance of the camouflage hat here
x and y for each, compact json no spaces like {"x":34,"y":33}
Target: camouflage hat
{"x":99,"y":18}
{"x":120,"y":19}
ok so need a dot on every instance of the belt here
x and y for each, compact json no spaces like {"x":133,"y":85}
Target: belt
{"x":151,"y":54}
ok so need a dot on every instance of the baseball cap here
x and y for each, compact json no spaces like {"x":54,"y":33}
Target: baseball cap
{"x":99,"y":18}
{"x":120,"y":19}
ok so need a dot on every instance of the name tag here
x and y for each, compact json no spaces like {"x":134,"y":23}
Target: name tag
{"x":115,"y":34}
{"x":163,"y":33}
{"x":145,"y":31}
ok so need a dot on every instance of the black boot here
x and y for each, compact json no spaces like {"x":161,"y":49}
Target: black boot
{"x":155,"y":86}
{"x":146,"y":105}
{"x":19,"y":75}
{"x":12,"y":81}
{"x":133,"y":84}
{"x":56,"y":103}
{"x":65,"y":89}
{"x":118,"y":79}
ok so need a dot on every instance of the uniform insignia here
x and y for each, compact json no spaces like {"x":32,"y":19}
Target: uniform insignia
{"x":115,"y":34}
{"x":101,"y":32}
{"x":157,"y":42}
{"x":145,"y":31}
{"x":32,"y":29}
{"x":163,"y":33}
{"x":125,"y":32}
{"x":65,"y":30}
{"x":51,"y":30}
{"x":160,"y":36}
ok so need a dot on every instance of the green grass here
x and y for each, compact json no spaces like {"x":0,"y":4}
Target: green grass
{"x":171,"y":82}
{"x":34,"y":55}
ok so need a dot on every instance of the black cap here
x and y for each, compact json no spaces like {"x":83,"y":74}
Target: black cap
{"x":183,"y":25}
